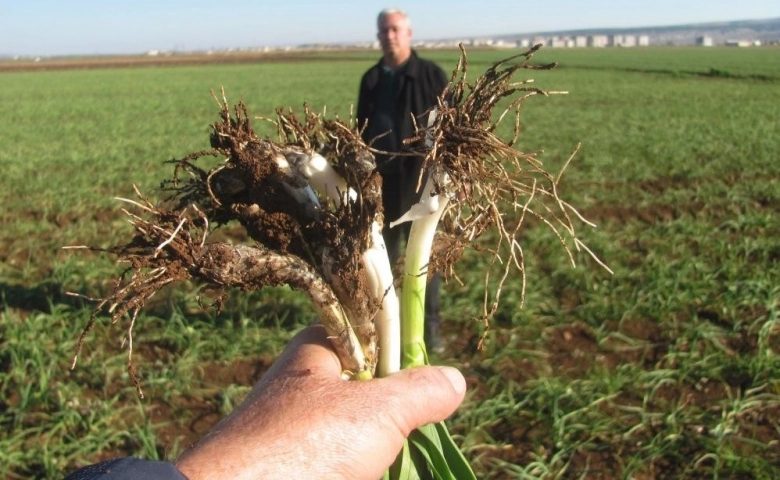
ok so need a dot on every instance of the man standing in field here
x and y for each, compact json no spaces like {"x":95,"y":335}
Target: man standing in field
{"x":400,"y":85}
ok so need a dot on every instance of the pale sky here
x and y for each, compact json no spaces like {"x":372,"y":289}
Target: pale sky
{"x":86,"y":27}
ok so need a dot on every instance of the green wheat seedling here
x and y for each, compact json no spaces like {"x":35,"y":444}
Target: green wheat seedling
{"x":676,"y":168}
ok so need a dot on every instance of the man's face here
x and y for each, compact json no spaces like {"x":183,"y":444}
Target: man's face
{"x":394,"y":36}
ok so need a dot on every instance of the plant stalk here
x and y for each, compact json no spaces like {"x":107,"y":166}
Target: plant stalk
{"x":387,"y":319}
{"x":418,"y":253}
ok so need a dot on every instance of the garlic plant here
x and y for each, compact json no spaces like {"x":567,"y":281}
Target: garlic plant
{"x":311,"y":202}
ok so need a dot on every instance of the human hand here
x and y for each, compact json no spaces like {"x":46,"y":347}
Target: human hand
{"x":301,"y":420}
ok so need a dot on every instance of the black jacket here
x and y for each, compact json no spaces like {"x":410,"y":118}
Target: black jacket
{"x":420,"y":84}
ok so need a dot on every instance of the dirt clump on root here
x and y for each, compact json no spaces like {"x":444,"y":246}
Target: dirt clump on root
{"x":315,"y":245}
{"x":251,"y":187}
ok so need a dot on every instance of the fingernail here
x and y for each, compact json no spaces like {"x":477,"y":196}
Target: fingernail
{"x":456,"y":379}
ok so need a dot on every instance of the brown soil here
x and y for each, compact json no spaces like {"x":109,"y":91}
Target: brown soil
{"x":192,"y":415}
{"x":572,"y":348}
{"x":572,"y":351}
{"x":183,"y":59}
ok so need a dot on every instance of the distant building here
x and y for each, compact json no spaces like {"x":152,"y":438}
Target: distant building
{"x":580,"y":41}
{"x":598,"y":41}
{"x":643,"y":40}
{"x":628,"y":41}
{"x":504,"y":44}
{"x":615,"y":40}
{"x":704,"y":41}
{"x":738,"y":43}
{"x":557,"y":42}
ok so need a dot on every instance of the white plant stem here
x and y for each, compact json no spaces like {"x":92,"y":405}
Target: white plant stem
{"x":425,"y":216}
{"x":388,"y":318}
{"x":323,"y":178}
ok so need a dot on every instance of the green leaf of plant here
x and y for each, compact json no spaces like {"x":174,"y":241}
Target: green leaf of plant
{"x":425,"y":448}
{"x":454,"y":458}
{"x":443,"y":458}
{"x":403,"y":468}
{"x":430,"y":453}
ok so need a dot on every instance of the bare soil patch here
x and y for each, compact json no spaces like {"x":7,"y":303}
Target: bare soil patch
{"x":173,"y":60}
{"x":574,"y":351}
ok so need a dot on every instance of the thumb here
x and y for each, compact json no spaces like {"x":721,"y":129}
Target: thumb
{"x":422,"y":395}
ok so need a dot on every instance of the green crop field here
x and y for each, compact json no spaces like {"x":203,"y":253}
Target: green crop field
{"x":667,"y":368}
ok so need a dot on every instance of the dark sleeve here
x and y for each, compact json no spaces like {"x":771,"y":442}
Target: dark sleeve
{"x":127,"y":468}
{"x":442,"y":79}
{"x":434,"y":82}
{"x":363,"y":98}
{"x":362,"y":113}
